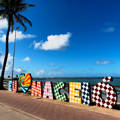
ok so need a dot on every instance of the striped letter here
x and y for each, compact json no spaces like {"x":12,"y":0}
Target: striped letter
{"x":36,"y":88}
{"x":14,"y":86}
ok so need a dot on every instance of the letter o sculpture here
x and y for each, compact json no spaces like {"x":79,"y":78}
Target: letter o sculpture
{"x":111,"y":99}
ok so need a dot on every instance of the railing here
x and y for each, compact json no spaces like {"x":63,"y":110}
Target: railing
{"x":66,"y":87}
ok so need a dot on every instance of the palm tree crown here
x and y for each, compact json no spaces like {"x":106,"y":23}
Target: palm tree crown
{"x":10,"y":9}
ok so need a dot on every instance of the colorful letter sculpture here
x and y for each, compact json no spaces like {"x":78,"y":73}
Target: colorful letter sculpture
{"x":76,"y":89}
{"x":107,"y":79}
{"x":57,"y":94}
{"x":111,"y":99}
{"x":36,"y":88}
{"x":14,"y":86}
{"x":48,"y":90}
{"x":86,"y":93}
{"x":73,"y":93}
{"x":25,"y":82}
{"x":10,"y":85}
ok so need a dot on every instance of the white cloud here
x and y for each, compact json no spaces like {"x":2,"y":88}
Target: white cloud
{"x":19,"y":36}
{"x":110,"y":29}
{"x":32,"y":43}
{"x":52,"y":63}
{"x":19,"y":71}
{"x":8,"y":68}
{"x":54,"y":42}
{"x":105,"y":62}
{"x":9,"y":61}
{"x":39,"y":72}
{"x":3,"y":24}
{"x":26,"y":59}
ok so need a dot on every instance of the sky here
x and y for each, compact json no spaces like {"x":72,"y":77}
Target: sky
{"x":69,"y":38}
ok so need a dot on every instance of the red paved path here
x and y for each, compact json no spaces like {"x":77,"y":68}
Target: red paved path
{"x":49,"y":111}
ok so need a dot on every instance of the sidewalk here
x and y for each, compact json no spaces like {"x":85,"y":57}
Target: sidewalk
{"x":23,"y":107}
{"x":7,"y":113}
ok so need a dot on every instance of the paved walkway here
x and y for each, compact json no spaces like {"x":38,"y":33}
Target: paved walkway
{"x":7,"y":113}
{"x":36,"y":109}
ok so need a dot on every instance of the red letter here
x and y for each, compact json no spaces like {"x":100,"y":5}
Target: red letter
{"x":14,"y":86}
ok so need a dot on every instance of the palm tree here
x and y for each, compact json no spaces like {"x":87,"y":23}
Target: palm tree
{"x":10,"y":10}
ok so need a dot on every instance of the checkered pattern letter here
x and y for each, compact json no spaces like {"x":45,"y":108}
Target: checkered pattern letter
{"x":107,"y":79}
{"x":10,"y":85}
{"x":57,"y":88}
{"x":74,"y":94}
{"x":36,"y":88}
{"x":14,"y":86}
{"x":111,"y":99}
{"x":48,"y":90}
{"x":86,"y":93}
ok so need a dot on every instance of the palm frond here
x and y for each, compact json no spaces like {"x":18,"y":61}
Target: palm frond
{"x":30,"y":5}
{"x":20,"y":8}
{"x":20,"y":21}
{"x":24,"y":19}
{"x":2,"y":5}
{"x":5,"y":4}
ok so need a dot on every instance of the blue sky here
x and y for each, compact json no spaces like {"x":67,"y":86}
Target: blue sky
{"x":69,"y":38}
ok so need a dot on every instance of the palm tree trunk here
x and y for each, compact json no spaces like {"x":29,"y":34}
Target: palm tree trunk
{"x":6,"y":56}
